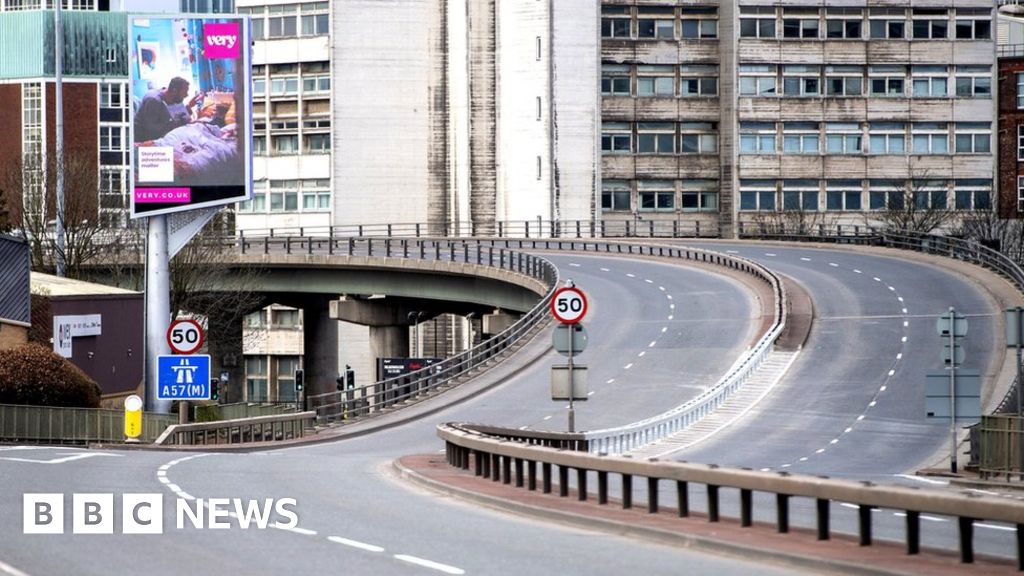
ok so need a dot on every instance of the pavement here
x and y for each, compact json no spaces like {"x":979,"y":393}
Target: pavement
{"x":798,"y":549}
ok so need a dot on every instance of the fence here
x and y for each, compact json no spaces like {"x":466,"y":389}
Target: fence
{"x":494,"y":457}
{"x":1000,"y":446}
{"x":45,"y":424}
{"x":243,"y":430}
{"x":241,"y":410}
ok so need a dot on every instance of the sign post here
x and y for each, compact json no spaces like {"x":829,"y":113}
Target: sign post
{"x":953,"y":326}
{"x":569,"y":306}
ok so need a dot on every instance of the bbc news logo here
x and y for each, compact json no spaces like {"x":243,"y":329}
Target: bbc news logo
{"x":144,"y":513}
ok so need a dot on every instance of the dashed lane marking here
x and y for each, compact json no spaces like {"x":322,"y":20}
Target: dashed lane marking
{"x":429,"y":564}
{"x":355,"y":544}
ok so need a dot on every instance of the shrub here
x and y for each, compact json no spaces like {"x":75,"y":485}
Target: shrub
{"x":33,"y":374}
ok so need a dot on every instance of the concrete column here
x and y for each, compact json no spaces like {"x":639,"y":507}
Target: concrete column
{"x":226,"y":356}
{"x":388,"y":342}
{"x":482,"y":115}
{"x":728,"y":203}
{"x":320,"y":347}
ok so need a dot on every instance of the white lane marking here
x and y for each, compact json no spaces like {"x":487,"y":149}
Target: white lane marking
{"x":899,"y":356}
{"x":904,"y":310}
{"x":833,"y":264}
{"x":669,"y":296}
{"x":574,"y":265}
{"x":429,"y":564}
{"x":671,"y":316}
{"x":855,"y":271}
{"x":819,"y":450}
{"x":605,"y":270}
{"x":664,"y":329}
{"x":769,"y":254}
{"x":64,"y":459}
{"x":985,"y":492}
{"x":610,"y":380}
{"x":872,"y":404}
{"x":547,"y":417}
{"x":904,"y":339}
{"x":591,"y":393}
{"x":806,"y":259}
{"x":905,"y":323}
{"x":923,"y":479}
{"x":11,"y":570}
{"x":662,"y":288}
{"x":803,"y":459}
{"x":653,"y":342}
{"x":671,"y":306}
{"x":173,"y":488}
{"x":648,"y":280}
{"x":766,"y":469}
{"x":848,"y":430}
{"x":641,"y":355}
{"x":785,"y":466}
{"x":891,"y":289}
{"x":163,"y":479}
{"x":732,"y":251}
{"x":861,"y":417}
{"x":627,"y":366}
{"x":295,"y":529}
{"x":834,"y":441}
{"x":891,"y":372}
{"x":900,"y":298}
{"x":161,"y":473}
{"x":877,"y":279}
{"x":883,"y":388}
{"x":9,"y":448}
{"x":355,"y":544}
{"x":631,"y":275}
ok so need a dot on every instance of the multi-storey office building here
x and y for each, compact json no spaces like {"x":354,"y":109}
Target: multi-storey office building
{"x":753,"y":112}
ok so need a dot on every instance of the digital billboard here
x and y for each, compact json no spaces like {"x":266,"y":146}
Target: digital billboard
{"x":191,"y":112}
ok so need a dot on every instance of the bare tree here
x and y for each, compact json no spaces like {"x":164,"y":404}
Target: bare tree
{"x":916,"y":205}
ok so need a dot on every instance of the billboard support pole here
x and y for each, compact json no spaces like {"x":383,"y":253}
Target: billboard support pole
{"x":58,"y":104}
{"x":158,"y":308}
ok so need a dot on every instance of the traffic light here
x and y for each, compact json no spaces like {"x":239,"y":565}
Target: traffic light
{"x":214,"y":389}
{"x":299,"y":380}
{"x":341,"y":382}
{"x":350,"y":377}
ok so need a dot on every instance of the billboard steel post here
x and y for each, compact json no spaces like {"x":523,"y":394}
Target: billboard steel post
{"x":158,"y":309}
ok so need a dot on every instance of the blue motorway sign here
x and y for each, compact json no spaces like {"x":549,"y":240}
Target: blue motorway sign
{"x":183,"y":377}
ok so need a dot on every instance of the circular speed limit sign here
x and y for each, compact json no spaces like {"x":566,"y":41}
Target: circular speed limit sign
{"x":185,"y":336}
{"x":569,"y":305}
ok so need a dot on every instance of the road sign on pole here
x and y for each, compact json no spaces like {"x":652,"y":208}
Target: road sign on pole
{"x":569,"y":305}
{"x":569,"y":339}
{"x":185,"y":336}
{"x":184,"y":377}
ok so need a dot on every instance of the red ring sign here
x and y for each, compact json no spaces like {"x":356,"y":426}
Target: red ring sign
{"x":569,"y":305}
{"x":185,"y":336}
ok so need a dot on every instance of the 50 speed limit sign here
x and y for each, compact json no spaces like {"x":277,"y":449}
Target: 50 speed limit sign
{"x":185,"y":336}
{"x":569,"y":305}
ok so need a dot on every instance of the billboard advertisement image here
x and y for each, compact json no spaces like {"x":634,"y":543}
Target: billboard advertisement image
{"x":191,"y":113}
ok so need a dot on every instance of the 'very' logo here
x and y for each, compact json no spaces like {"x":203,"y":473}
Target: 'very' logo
{"x":221,"y":40}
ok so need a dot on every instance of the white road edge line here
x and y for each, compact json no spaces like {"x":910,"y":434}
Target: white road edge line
{"x":296,"y":529}
{"x":355,"y":544}
{"x":429,"y":564}
{"x":11,"y":570}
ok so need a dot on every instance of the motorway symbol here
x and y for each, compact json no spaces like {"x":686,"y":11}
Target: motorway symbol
{"x":185,"y":336}
{"x":183,"y":377}
{"x":569,"y":305}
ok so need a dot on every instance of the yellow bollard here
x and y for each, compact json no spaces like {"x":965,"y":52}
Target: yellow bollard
{"x":132,"y":418}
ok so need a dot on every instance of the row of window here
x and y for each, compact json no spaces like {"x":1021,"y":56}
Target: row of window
{"x":798,"y":23}
{"x":260,"y":387}
{"x":698,"y":195}
{"x":926,"y":81}
{"x":857,"y":195}
{"x":288,"y":144}
{"x":286,"y":195}
{"x":659,"y":137}
{"x":289,"y":20}
{"x":880,"y":137}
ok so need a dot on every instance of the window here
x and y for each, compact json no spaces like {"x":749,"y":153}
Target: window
{"x":885,"y":194}
{"x":886,"y":137}
{"x":111,"y":139}
{"x":112,"y":95}
{"x":656,"y":195}
{"x":286,"y":144}
{"x":929,"y":137}
{"x":757,"y":137}
{"x":844,"y":195}
{"x":699,"y":196}
{"x":317,"y":143}
{"x":257,"y":319}
{"x":258,"y":28}
{"x":886,"y":80}
{"x":655,"y":138}
{"x":615,"y":22}
{"x":113,"y":196}
{"x":1020,"y":90}
{"x":284,"y":196}
{"x":973,"y":81}
{"x":929,"y":81}
{"x":284,"y":317}
{"x":757,"y":22}
{"x":284,"y":85}
{"x":890,"y":23}
{"x":973,"y":138}
{"x":844,"y":80}
{"x":930,"y":23}
{"x":973,"y":24}
{"x":757,"y":195}
{"x":656,"y":23}
{"x":698,"y":138}
{"x":616,"y":138}
{"x":316,"y":195}
{"x":314,"y":18}
{"x":799,"y":23}
{"x":843,"y":23}
{"x":655,"y":80}
{"x":929,"y":194}
{"x":843,"y":138}
{"x":259,"y":87}
{"x":313,"y":84}
{"x":256,"y":378}
{"x":699,"y":23}
{"x":259,"y":145}
{"x":615,"y":195}
{"x":801,"y":80}
{"x":278,"y":25}
{"x":258,"y":203}
{"x":696,"y":80}
{"x":973,"y":194}
{"x":757,"y":79}
{"x":800,"y":195}
{"x":800,"y":138}
{"x":1020,"y":194}
{"x":1020,"y":142}
{"x":615,"y":80}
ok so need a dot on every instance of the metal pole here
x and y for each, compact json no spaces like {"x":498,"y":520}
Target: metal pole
{"x":58,"y":103}
{"x":952,"y":388}
{"x":1020,"y":392}
{"x":572,"y":409}
{"x":158,"y":308}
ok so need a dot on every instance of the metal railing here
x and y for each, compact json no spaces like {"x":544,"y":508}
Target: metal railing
{"x":499,"y":459}
{"x":239,"y":431}
{"x":242,"y":410}
{"x":52,"y":425}
{"x":1001,"y":446}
